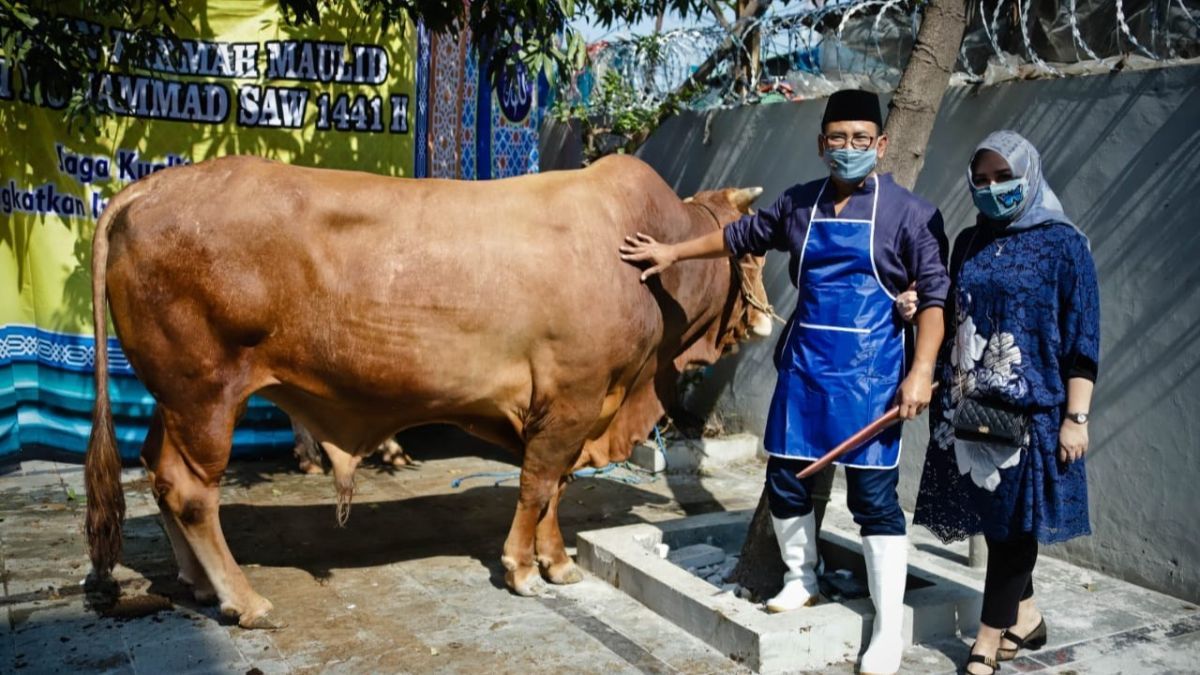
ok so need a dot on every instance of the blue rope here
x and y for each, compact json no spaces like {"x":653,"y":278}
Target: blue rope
{"x":590,"y":472}
{"x":586,"y":472}
{"x":662,"y":447}
{"x":604,"y":471}
{"x":500,"y":476}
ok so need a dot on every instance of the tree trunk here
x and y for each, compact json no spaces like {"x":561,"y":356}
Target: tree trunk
{"x":747,"y":61}
{"x":913,"y":111}
{"x":915,"y":104}
{"x":760,"y":568}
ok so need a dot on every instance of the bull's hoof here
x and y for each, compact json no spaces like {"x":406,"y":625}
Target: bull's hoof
{"x":522,"y":580}
{"x":264,"y":621}
{"x":311,"y":468}
{"x":564,"y":573}
{"x":257,"y":615}
{"x":392,"y":453}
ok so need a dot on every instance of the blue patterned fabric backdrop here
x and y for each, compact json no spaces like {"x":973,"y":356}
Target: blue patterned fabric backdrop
{"x":472,"y":130}
{"x":461,"y":128}
{"x":46,"y":394}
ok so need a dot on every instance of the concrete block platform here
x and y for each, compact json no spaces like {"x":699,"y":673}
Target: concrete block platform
{"x":938,"y":604}
{"x":695,"y":455}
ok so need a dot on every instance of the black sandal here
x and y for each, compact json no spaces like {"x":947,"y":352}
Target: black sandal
{"x":989,"y":661}
{"x":1036,"y":639}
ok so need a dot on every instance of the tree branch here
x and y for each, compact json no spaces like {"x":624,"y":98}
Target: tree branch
{"x":754,"y":10}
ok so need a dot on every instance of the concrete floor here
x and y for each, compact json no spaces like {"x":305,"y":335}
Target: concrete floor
{"x":413,"y":582}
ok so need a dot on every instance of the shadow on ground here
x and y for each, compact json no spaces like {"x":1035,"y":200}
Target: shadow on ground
{"x":274,"y":517}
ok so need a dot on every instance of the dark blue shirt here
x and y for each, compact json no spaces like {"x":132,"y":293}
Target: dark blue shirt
{"x":909,"y":241}
{"x":1027,"y":312}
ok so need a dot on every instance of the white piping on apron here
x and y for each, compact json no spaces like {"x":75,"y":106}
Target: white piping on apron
{"x":842,"y":329}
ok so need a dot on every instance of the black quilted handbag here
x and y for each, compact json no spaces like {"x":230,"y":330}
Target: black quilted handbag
{"x":989,"y":421}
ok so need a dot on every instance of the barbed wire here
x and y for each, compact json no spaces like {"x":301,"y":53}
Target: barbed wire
{"x":1078,"y":37}
{"x":810,"y":52}
{"x":1023,"y":10}
{"x":1129,"y":33}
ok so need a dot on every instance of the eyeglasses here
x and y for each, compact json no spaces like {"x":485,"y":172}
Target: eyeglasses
{"x":836,"y":141}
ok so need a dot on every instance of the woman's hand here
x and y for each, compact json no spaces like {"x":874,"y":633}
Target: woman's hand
{"x":906,"y":303}
{"x":643,"y":248}
{"x":1072,"y":441}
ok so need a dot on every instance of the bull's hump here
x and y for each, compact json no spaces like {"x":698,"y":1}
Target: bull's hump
{"x":621,"y":161}
{"x":631,"y":179}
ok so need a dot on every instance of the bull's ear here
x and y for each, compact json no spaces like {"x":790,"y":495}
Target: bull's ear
{"x":689,"y":200}
{"x":743,"y":198}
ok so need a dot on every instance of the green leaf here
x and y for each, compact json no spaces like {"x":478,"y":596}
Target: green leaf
{"x":30,"y":21}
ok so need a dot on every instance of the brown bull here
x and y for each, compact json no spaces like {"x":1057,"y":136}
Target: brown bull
{"x":363,"y":304}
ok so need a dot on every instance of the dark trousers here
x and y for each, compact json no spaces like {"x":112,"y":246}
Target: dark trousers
{"x":870,"y":494}
{"x":1009,"y":578}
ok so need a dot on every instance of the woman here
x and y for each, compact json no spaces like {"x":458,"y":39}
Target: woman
{"x":1023,"y":348}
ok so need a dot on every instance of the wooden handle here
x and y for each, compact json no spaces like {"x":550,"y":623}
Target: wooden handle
{"x":859,"y":438}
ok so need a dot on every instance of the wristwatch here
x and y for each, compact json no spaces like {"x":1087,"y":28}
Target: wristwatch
{"x":1078,"y":417}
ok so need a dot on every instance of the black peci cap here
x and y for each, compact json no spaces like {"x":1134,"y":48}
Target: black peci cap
{"x":853,"y":105}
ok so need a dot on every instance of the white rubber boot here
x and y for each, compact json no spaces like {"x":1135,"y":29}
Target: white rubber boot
{"x":798,"y":546}
{"x":887,"y":570}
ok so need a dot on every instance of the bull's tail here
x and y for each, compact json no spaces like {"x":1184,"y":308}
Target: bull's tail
{"x":102,"y":466}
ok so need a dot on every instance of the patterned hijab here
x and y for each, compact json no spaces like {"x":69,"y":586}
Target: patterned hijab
{"x":1042,"y":204}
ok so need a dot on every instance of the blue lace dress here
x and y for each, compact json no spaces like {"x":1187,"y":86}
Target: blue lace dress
{"x":1027,"y":317}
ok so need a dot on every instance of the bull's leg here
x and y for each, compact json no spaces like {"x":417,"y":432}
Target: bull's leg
{"x":549,"y":457}
{"x":308,"y":455}
{"x":193,"y":458}
{"x":190,"y":571}
{"x":557,"y":567}
{"x":518,"y":555}
{"x":390,"y":452}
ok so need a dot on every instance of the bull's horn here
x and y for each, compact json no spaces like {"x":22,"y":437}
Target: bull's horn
{"x":689,"y":200}
{"x":744,"y":197}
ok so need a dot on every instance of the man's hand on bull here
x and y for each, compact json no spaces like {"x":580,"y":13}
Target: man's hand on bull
{"x":906,"y":303}
{"x":644,"y":248}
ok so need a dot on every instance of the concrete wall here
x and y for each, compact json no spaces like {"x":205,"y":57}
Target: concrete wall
{"x":1123,"y":153}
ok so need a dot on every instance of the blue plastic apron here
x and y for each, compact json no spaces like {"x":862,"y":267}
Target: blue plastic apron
{"x":843,"y":356}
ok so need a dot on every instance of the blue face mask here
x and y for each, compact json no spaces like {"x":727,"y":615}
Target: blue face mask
{"x":1000,"y":201}
{"x":849,"y":165}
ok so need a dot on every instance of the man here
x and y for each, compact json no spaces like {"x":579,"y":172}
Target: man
{"x":857,"y":240}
